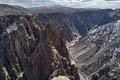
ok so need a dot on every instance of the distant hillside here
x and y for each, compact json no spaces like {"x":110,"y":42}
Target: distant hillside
{"x":58,"y":9}
{"x":12,"y":10}
{"x":51,"y":9}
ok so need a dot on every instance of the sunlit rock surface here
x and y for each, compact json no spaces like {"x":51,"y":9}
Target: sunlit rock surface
{"x":32,"y":51}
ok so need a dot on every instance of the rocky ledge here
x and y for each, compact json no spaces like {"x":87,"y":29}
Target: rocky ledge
{"x":30,"y":50}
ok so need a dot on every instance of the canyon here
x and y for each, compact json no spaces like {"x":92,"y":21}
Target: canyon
{"x":68,"y":43}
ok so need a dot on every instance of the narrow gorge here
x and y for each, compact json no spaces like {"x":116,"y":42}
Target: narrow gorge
{"x":61,"y":44}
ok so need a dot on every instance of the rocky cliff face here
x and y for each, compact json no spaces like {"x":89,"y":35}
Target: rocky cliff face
{"x":69,"y":23}
{"x":98,"y":53}
{"x":75,"y":23}
{"x":32,"y":51}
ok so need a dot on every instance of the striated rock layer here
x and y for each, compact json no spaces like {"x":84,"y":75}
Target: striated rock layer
{"x":30,"y":50}
{"x":98,"y":53}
